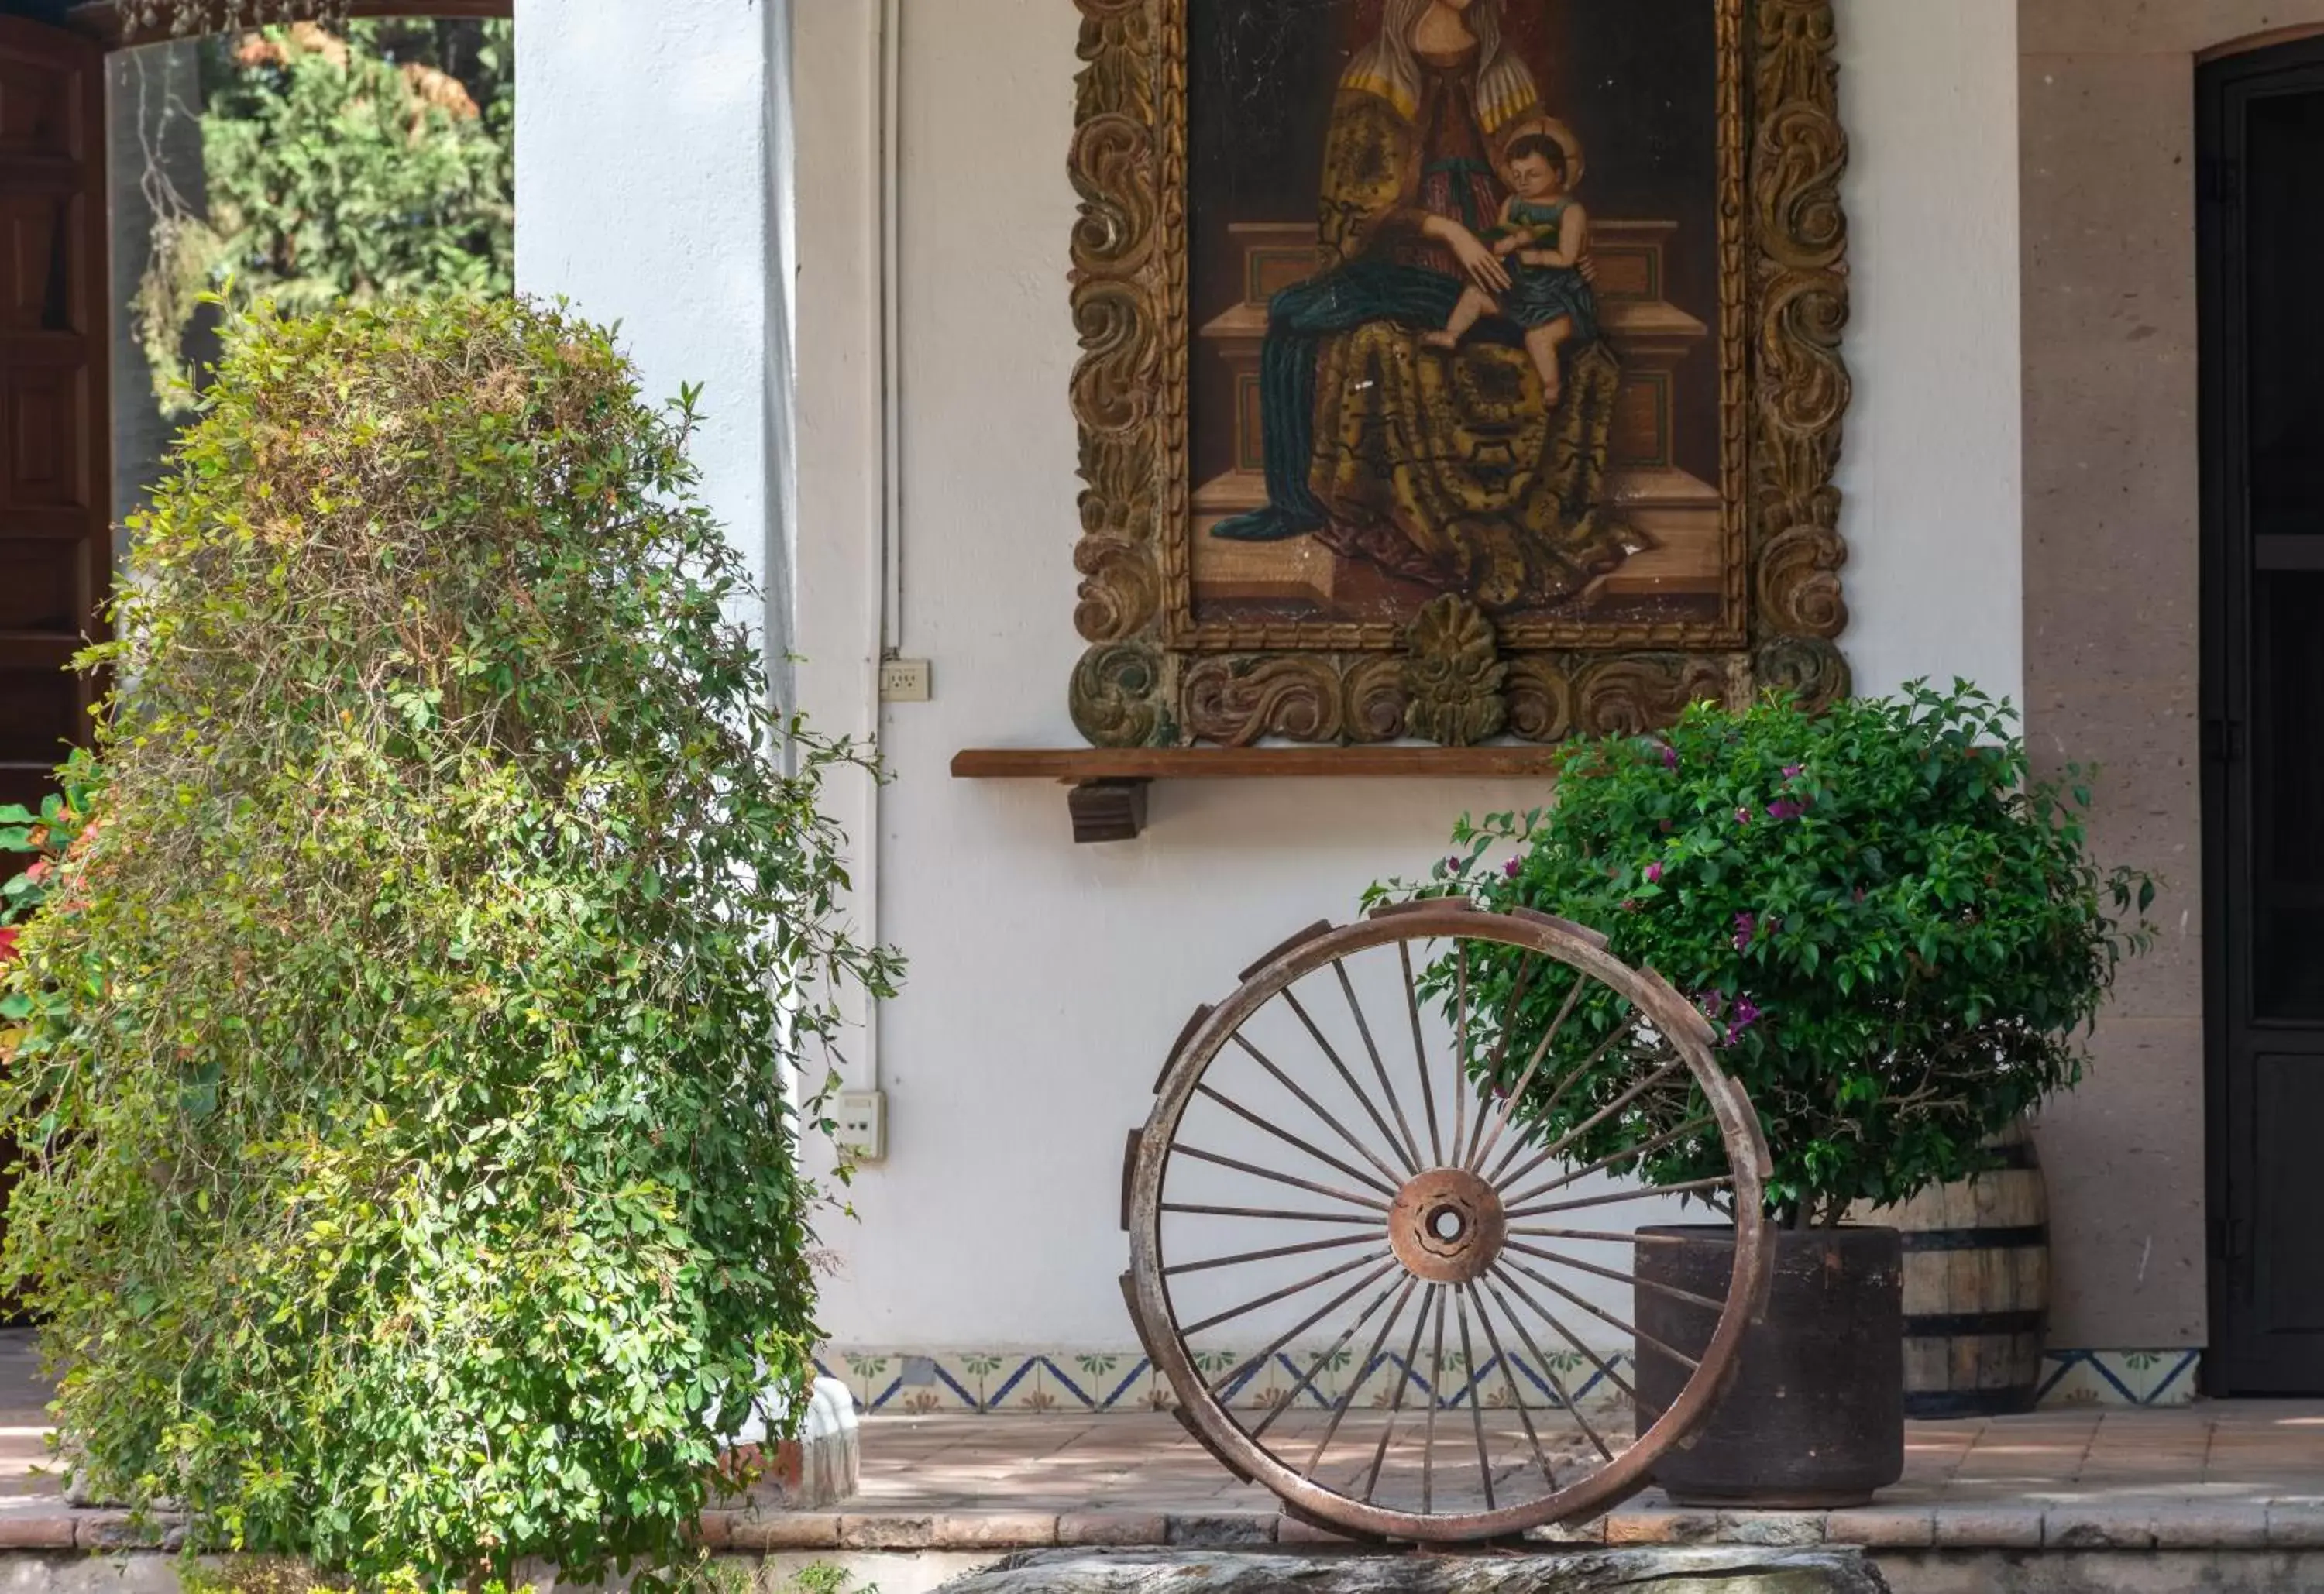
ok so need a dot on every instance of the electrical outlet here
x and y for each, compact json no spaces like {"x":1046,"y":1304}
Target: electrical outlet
{"x":860,"y":1123}
{"x":906,"y":680}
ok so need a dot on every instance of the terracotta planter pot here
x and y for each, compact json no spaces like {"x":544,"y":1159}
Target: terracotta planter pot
{"x":1814,"y":1417}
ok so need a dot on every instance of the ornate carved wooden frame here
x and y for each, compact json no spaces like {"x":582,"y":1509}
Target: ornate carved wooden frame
{"x":1147,"y":681}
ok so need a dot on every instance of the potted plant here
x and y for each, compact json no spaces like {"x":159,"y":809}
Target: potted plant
{"x":1899,"y":937}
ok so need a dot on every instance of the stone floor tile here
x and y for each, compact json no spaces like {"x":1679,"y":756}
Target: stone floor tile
{"x":2103,"y":1525}
{"x":2211,"y":1524}
{"x":1777,"y":1528}
{"x":886,"y":1532}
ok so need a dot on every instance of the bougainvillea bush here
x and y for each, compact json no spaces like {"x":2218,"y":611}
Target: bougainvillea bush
{"x":400,"y":1059}
{"x":1895,"y":930}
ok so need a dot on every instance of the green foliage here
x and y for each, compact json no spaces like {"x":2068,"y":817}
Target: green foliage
{"x":1896,"y":931}
{"x":339,"y":169}
{"x":410,"y":1183}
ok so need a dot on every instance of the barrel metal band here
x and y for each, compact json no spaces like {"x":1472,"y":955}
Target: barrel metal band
{"x":1958,"y":1325}
{"x":1976,"y":1239}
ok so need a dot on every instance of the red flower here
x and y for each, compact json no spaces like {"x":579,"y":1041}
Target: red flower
{"x":8,"y":934}
{"x":38,"y":871}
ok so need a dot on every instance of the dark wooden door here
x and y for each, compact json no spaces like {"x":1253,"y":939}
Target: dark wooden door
{"x":55,"y":410}
{"x":2262,"y":178}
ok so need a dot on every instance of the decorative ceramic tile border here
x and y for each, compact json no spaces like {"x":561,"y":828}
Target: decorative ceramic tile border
{"x":1110,"y":1381}
{"x":1083,"y":1381}
{"x":2119,"y":1378}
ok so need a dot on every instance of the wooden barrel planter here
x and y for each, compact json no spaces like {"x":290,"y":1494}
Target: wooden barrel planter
{"x":1976,"y":1287}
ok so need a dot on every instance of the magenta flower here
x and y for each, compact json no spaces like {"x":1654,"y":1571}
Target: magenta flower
{"x":1793,"y":771}
{"x":1629,"y":905}
{"x":1654,"y":874}
{"x":1784,"y":808}
{"x":1742,"y":815}
{"x":1746,"y":1014}
{"x":1670,"y":758}
{"x":1746,"y":927}
{"x":1512,"y":866}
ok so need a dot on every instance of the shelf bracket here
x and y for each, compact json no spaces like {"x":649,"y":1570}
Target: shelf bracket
{"x":1107,"y":810}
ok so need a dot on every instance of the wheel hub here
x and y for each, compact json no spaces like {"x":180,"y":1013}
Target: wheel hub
{"x":1447,"y":1226}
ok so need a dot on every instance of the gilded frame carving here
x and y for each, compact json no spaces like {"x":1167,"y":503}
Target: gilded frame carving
{"x":1151,"y":678}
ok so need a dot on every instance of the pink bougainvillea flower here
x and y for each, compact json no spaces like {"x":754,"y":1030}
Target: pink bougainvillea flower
{"x":1630,"y":905}
{"x":1793,"y":771}
{"x":1512,"y":867}
{"x":1784,"y":808}
{"x":37,"y":870}
{"x":1746,"y":1014}
{"x":1670,"y":757}
{"x":1746,"y":927}
{"x":1742,"y":815}
{"x":1654,"y":874}
{"x":8,"y":944}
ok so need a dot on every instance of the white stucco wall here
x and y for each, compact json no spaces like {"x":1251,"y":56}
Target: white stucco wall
{"x":641,"y":179}
{"x":1048,"y":980}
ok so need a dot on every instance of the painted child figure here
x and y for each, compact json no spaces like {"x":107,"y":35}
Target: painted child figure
{"x":1548,"y":234}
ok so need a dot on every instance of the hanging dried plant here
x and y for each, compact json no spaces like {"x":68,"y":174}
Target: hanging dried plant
{"x":151,"y":20}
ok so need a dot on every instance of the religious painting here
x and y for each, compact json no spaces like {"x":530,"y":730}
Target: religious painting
{"x":1456,"y":369}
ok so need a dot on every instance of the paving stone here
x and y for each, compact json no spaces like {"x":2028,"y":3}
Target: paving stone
{"x":1221,"y":1530}
{"x":47,"y":1528}
{"x":981,"y":1530}
{"x":2099,"y":1525}
{"x":1661,"y":1527}
{"x":2211,"y":1524}
{"x":1883,"y":1527}
{"x":1113,"y":1528}
{"x":783,"y":1530}
{"x":1988,"y":1528}
{"x":886,"y":1532}
{"x":1771,"y":1527}
{"x":2295,"y":1524}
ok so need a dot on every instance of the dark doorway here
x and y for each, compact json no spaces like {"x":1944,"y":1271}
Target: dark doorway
{"x":2262,"y":175}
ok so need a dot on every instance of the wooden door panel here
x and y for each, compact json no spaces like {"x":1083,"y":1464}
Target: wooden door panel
{"x":55,"y":404}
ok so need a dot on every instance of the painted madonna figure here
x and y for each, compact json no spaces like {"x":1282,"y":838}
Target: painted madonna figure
{"x":1459,"y":468}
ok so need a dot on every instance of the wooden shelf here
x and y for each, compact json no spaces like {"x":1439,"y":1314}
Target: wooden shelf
{"x":1108,"y":799}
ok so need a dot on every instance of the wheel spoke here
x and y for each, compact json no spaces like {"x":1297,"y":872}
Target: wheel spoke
{"x":1420,"y":1056}
{"x":1516,"y":1091}
{"x":1476,"y":1407}
{"x":1259,"y":1173}
{"x":1435,"y":1399}
{"x":1670,"y":1292}
{"x":1610,"y":1236}
{"x":1500,"y":1173}
{"x":1379,"y":1455}
{"x":1294,"y":1141}
{"x":1599,"y":1313}
{"x":1204,"y":1209}
{"x":1270,"y":1254}
{"x":1461,"y":1086}
{"x":1615,"y":1197}
{"x":1380,"y":1068}
{"x":1572,"y":1406}
{"x":1397,"y":1149}
{"x":1288,"y":1290}
{"x":1252,"y":1364}
{"x":1594,"y":1120}
{"x":1509,"y":1376}
{"x":1315,"y":1107}
{"x":1363,"y":1371}
{"x":1629,"y":1153}
{"x":1315,"y":1367}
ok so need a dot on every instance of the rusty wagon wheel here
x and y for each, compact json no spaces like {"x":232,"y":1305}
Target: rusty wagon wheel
{"x":1374,"y":1292}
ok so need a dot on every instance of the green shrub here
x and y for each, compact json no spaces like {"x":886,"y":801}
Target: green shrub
{"x":409,"y":1180}
{"x":1896,"y":931}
